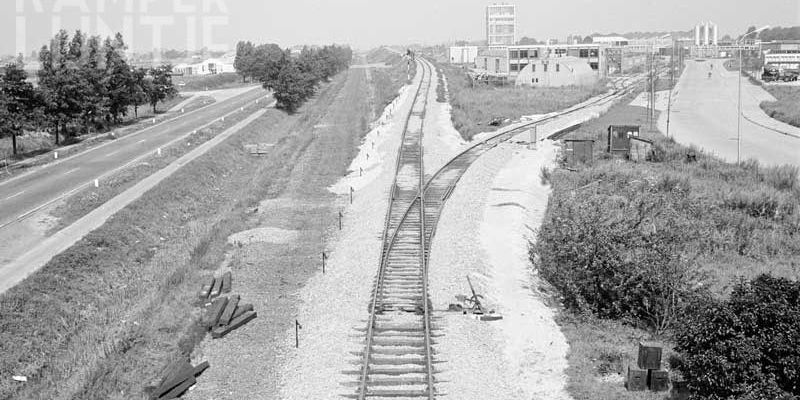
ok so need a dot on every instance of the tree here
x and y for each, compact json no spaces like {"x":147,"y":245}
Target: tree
{"x":93,"y":72}
{"x":245,"y":57}
{"x":18,"y":100}
{"x":137,"y":89}
{"x":527,"y":41}
{"x":119,"y":78}
{"x":160,"y":85}
{"x":290,"y":85}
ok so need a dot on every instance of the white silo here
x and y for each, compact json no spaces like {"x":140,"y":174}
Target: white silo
{"x":697,"y":35}
{"x":706,"y":33}
{"x":715,"y":32}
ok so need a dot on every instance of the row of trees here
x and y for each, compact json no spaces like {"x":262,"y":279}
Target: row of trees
{"x":777,"y":33}
{"x":83,"y":82}
{"x":293,"y":78}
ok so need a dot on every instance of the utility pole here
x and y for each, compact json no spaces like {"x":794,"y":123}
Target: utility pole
{"x":739,"y":113}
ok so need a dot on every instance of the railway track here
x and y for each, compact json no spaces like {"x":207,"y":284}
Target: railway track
{"x":397,"y":361}
{"x":442,"y":183}
{"x":397,"y":358}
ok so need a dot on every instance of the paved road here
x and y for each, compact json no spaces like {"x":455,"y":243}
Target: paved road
{"x":704,"y":114}
{"x":28,"y":192}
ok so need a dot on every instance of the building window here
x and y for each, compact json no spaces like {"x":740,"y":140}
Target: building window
{"x":514,"y":67}
{"x":486,"y":64}
{"x":496,"y":65}
{"x":523,"y":54}
{"x":558,"y":67}
{"x":545,"y":67}
{"x":584,"y":53}
{"x":593,"y":52}
{"x":594,"y":65}
{"x":533,"y":68}
{"x":514,"y":54}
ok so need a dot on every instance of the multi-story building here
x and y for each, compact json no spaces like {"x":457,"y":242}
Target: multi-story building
{"x":501,"y":25}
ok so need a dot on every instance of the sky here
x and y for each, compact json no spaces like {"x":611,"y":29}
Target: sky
{"x":26,"y":25}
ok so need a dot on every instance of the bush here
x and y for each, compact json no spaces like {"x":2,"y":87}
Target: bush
{"x":621,"y":256}
{"x":747,"y":347}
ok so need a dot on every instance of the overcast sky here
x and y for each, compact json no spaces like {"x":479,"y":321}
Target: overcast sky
{"x":362,"y":23}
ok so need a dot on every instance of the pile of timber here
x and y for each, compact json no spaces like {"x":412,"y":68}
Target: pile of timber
{"x":224,"y":314}
{"x":178,"y":378}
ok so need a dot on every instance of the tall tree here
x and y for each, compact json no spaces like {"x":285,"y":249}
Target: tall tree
{"x":137,"y":89}
{"x":18,"y":101}
{"x":119,"y":78}
{"x":93,"y":73}
{"x":245,"y":58}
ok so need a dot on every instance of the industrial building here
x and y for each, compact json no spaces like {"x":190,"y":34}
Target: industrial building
{"x":557,"y":72}
{"x":462,"y":54}
{"x":706,"y":34}
{"x":501,"y":25}
{"x":782,"y":55}
{"x":550,"y":65}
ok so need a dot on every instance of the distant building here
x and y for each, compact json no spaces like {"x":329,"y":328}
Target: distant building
{"x":210,"y":66}
{"x":501,"y":25}
{"x":611,"y":40}
{"x":492,"y":61}
{"x":511,"y":61}
{"x":462,"y":54}
{"x":557,"y":72}
{"x":590,"y":54}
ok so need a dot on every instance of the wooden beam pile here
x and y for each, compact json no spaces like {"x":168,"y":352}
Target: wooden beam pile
{"x":224,"y":314}
{"x":178,"y":378}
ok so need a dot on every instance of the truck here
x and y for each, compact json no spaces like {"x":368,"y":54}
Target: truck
{"x":772,"y":74}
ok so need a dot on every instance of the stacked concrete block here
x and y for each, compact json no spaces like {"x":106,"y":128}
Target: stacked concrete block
{"x":648,"y":373}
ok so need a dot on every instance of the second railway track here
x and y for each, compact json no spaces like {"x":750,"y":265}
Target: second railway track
{"x":397,"y":361}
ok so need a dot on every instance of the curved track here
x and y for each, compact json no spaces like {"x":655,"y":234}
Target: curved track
{"x":397,"y":359}
{"x":397,"y":362}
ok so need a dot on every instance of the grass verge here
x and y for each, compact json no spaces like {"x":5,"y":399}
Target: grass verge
{"x":100,"y":320}
{"x":388,"y":81}
{"x":787,"y":107}
{"x":665,"y":226}
{"x":476,"y":107}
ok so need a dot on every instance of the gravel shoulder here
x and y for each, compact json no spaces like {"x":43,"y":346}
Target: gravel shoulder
{"x":333,"y":307}
{"x":483,"y":233}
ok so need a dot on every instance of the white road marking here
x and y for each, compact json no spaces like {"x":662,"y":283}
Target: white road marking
{"x":70,"y":171}
{"x":112,"y":153}
{"x":141,"y":141}
{"x":12,"y":196}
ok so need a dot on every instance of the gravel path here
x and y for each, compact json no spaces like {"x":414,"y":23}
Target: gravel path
{"x":333,"y":307}
{"x":483,"y":233}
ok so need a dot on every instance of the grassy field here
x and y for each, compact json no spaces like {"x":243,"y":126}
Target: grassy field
{"x":735,"y":222}
{"x":787,"y":106}
{"x":106,"y":315}
{"x":474,"y":108}
{"x":198,"y":83}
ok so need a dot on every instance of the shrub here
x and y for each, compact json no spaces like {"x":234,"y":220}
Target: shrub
{"x":747,"y":347}
{"x":621,"y":257}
